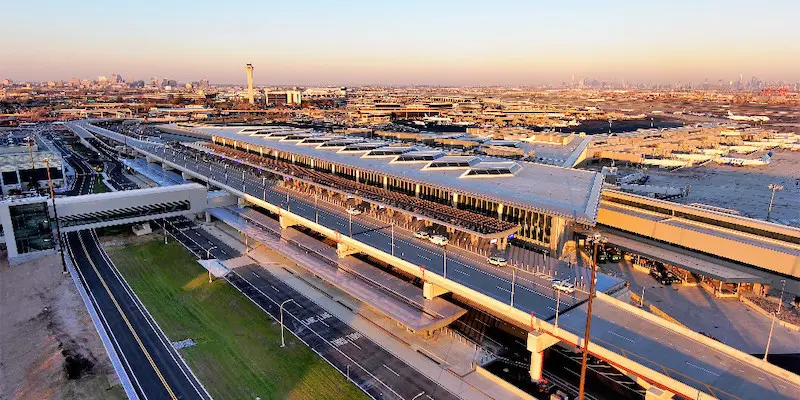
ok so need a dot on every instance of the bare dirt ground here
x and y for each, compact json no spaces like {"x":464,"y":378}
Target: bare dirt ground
{"x":49,"y":348}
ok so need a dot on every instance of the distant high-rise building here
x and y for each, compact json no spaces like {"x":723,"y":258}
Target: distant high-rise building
{"x":250,"y":93}
{"x":203,"y":83}
{"x":102,"y":79}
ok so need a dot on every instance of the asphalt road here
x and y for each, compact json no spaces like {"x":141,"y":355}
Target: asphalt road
{"x":367,"y":364}
{"x":375,"y":370}
{"x":155,"y":368}
{"x":532,"y":294}
{"x":684,"y":359}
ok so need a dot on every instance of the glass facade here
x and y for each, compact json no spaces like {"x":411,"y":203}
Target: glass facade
{"x":32,"y":229}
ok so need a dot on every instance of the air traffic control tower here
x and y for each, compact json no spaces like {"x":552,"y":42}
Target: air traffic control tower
{"x":250,"y":96}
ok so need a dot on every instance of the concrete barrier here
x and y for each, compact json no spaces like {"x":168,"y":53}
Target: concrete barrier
{"x":503,"y":383}
{"x":754,"y":306}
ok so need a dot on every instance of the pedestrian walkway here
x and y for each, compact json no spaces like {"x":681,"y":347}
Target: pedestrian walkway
{"x":446,"y":358}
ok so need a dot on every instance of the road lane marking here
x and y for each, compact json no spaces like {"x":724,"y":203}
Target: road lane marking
{"x":702,"y":369}
{"x":125,"y":318}
{"x":503,"y":289}
{"x":461,"y":272}
{"x":393,"y":371}
{"x":623,"y":337}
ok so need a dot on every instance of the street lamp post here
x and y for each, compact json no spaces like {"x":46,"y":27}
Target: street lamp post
{"x":208,"y":252}
{"x":283,"y":342}
{"x":581,"y":389}
{"x":55,"y":215}
{"x":444,"y":261}
{"x":774,"y":188}
{"x":350,"y":224}
{"x":513,"y":278}
{"x":558,"y":304}
{"x":774,"y":317}
{"x":393,"y":241}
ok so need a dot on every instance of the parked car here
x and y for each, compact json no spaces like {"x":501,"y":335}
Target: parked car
{"x":354,"y":211}
{"x":563,"y":286}
{"x":439,"y":240}
{"x":421,"y":234}
{"x":500,"y":261}
{"x":614,"y":255}
{"x":602,"y":256}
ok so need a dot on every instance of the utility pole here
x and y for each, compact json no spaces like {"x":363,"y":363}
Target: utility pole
{"x":55,"y":215}
{"x":774,"y":188}
{"x":586,"y":336}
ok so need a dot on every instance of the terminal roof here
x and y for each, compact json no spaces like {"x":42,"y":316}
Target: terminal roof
{"x":569,"y":193}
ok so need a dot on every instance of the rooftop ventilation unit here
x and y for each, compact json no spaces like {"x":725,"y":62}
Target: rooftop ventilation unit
{"x":298,"y":137}
{"x":338,"y":144}
{"x":452,"y":162}
{"x":317,"y":140}
{"x":362,"y":147}
{"x":492,"y":169}
{"x":388,"y":151}
{"x":418,"y":156}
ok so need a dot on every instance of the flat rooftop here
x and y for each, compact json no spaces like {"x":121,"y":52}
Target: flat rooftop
{"x":568,"y":193}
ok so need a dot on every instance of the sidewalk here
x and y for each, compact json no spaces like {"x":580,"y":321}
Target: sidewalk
{"x":446,"y":359}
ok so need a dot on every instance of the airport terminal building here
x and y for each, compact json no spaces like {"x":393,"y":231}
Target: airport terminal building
{"x":538,"y":204}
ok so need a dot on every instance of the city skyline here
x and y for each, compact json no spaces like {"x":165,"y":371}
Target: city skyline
{"x":446,"y":44}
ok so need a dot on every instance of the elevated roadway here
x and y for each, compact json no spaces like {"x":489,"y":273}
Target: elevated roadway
{"x":631,"y":341}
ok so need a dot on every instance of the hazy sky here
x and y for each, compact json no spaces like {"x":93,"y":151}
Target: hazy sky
{"x":426,"y":42}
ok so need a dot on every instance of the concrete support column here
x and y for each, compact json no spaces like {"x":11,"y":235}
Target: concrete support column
{"x":499,"y":210}
{"x":150,"y":159}
{"x":208,"y":217}
{"x":344,"y":250}
{"x":241,"y":202}
{"x":502,"y":243}
{"x":416,"y":189}
{"x":455,"y":200}
{"x":385,"y":182}
{"x":312,"y":163}
{"x":473,"y":239}
{"x":429,"y":290}
{"x":285,"y":221}
{"x":186,"y":176}
{"x":654,"y":393}
{"x":538,"y":342}
{"x":358,"y":176}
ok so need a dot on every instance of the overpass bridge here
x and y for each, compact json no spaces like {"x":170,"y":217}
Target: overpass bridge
{"x":665,"y":358}
{"x":28,"y":228}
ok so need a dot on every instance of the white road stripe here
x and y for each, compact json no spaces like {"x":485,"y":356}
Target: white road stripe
{"x":623,"y":337}
{"x":702,"y":369}
{"x":393,"y":371}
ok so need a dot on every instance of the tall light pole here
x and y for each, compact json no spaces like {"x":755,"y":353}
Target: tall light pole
{"x":774,"y":187}
{"x":558,"y":304}
{"x":393,"y":241}
{"x":444,"y":261}
{"x":513,"y":278}
{"x":283,"y":343}
{"x":774,"y":317}
{"x":596,"y":240}
{"x":55,"y":215}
